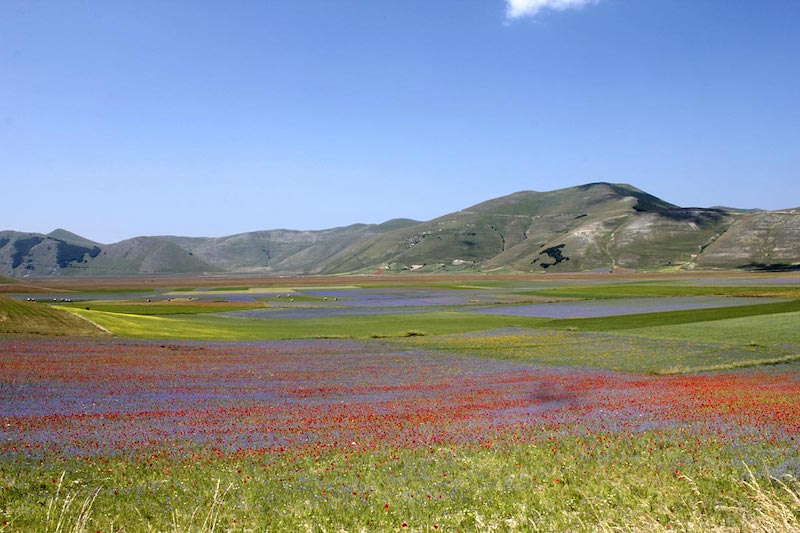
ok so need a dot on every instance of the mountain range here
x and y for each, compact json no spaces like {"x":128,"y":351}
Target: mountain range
{"x":597,"y":226}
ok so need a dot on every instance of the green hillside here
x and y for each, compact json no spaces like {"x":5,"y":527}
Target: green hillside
{"x":597,"y":226}
{"x":286,"y":251}
{"x":568,"y":229}
{"x":145,"y":255}
{"x":71,"y":238}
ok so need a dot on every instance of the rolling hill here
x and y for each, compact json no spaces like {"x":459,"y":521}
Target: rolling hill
{"x":588,"y":227}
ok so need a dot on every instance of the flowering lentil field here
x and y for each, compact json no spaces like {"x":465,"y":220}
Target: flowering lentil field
{"x":499,"y":430}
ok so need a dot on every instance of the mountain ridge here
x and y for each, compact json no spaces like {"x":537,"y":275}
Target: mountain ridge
{"x":595,"y":226}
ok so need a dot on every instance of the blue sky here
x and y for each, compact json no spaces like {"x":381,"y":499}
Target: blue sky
{"x":121,"y":118}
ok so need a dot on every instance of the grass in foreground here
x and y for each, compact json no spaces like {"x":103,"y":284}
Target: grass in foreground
{"x":606,"y":481}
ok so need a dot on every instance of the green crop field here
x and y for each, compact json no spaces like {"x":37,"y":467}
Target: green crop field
{"x":665,"y":318}
{"x":632,"y":352}
{"x":360,"y":326}
{"x":22,"y":317}
{"x":160,"y":307}
{"x":757,"y":330}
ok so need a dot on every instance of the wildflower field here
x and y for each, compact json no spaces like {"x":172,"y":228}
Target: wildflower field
{"x":688,"y":419}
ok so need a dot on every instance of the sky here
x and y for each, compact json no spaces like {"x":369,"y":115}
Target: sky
{"x":128,"y":118}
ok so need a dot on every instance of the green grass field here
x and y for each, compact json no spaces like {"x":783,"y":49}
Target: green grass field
{"x":27,"y":318}
{"x":771,"y":330}
{"x":160,"y":307}
{"x":669,"y":318}
{"x":568,"y":484}
{"x":620,"y":352}
{"x":360,"y":326}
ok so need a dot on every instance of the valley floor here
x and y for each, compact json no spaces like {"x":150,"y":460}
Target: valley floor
{"x":406,"y":406}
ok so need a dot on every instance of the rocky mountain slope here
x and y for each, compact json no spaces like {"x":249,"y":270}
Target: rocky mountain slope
{"x":588,"y":227}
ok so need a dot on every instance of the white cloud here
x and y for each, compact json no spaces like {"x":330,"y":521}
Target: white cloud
{"x":529,"y":8}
